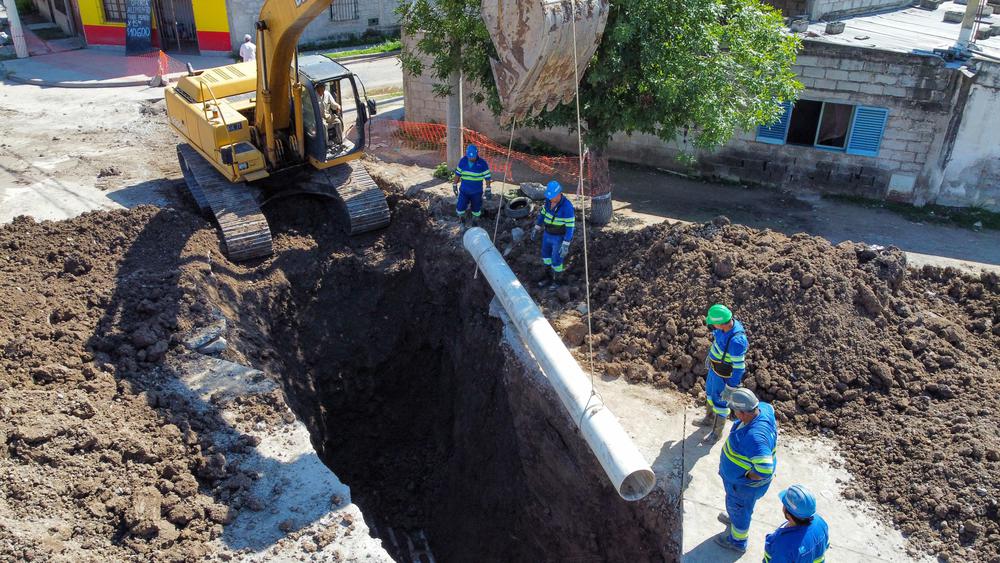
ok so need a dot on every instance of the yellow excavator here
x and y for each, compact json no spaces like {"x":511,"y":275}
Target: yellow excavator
{"x":257,"y":131}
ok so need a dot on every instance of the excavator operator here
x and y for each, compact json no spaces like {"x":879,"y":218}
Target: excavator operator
{"x":330,"y":110}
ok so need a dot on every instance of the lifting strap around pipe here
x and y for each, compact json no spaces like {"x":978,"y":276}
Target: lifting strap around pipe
{"x":629,"y":472}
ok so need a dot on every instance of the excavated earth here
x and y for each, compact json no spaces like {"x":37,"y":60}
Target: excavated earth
{"x":383,"y":348}
{"x":897,"y":365}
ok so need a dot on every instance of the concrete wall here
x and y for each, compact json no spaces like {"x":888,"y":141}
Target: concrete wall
{"x":243,"y":14}
{"x":920,"y":93}
{"x":971,"y":169}
{"x":50,"y":9}
{"x":835,"y":9}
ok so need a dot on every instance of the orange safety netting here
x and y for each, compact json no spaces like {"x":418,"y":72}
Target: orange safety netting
{"x":523,"y":167}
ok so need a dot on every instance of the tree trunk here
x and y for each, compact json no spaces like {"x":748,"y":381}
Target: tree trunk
{"x":600,"y":188}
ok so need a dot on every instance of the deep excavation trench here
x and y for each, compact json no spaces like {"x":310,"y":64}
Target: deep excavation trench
{"x":387,"y":352}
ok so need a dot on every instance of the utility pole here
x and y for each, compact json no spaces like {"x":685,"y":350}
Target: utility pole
{"x":454,"y":137}
{"x":968,"y":23}
{"x":16,"y":33}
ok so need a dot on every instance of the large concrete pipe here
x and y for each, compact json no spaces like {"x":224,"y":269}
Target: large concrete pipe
{"x":621,"y":460}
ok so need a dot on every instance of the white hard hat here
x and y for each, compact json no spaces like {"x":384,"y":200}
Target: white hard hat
{"x":247,"y":37}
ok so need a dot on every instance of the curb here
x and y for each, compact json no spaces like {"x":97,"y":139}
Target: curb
{"x":370,"y":57}
{"x":167,"y":78}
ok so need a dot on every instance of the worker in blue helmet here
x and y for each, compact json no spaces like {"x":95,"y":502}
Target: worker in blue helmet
{"x":804,"y":537}
{"x":556,"y":222}
{"x":472,"y":171}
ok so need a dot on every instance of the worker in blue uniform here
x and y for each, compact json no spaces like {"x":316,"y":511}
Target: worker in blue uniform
{"x":804,"y":537}
{"x":726,"y":364}
{"x":472,"y":171}
{"x":556,"y":222}
{"x":746,"y":465}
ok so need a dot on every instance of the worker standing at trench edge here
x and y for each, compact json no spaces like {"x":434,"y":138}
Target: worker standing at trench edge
{"x":472,"y":171}
{"x":746,"y":465}
{"x":804,"y":537}
{"x":557,"y":222}
{"x":726,"y":364}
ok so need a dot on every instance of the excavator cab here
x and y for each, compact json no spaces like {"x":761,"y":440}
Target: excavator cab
{"x":333,"y":137}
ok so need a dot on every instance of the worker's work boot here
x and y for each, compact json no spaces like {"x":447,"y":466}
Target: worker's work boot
{"x":709,"y":416}
{"x":475,"y":220}
{"x":556,"y":280}
{"x":717,"y":427}
{"x":722,"y":539}
{"x":546,"y":280}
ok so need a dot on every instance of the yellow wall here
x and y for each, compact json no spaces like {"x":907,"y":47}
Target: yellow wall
{"x":210,"y":15}
{"x":92,"y":13}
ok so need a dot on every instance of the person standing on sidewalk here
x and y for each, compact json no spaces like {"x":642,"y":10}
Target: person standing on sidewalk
{"x":726,"y":363}
{"x":248,"y":51}
{"x":804,"y":537}
{"x":746,"y":465}
{"x":472,"y":171}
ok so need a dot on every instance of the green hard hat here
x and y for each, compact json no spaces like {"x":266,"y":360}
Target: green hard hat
{"x":718,"y":314}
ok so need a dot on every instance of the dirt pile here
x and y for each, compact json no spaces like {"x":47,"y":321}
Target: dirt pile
{"x":97,"y":460}
{"x":897,"y":365}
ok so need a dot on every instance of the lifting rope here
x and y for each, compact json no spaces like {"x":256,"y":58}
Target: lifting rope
{"x":581,"y":202}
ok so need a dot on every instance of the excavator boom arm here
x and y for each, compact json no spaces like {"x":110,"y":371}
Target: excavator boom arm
{"x":279,"y":27}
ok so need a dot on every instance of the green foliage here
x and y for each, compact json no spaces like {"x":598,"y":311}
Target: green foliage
{"x":25,"y":7}
{"x":383,"y":47}
{"x":538,"y":147}
{"x":454,"y":35}
{"x":443,"y":172}
{"x":367,"y":39}
{"x":703,"y":69}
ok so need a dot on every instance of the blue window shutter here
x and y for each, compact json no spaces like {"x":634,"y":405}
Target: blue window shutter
{"x":775,"y":134}
{"x":866,"y":130}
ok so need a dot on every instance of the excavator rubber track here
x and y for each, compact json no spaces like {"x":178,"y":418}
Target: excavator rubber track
{"x":235,"y":206}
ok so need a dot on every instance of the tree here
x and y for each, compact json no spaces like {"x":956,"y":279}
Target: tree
{"x":704,"y":69}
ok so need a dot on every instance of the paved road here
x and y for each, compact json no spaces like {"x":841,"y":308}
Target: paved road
{"x":379,"y":73}
{"x":646,"y":191}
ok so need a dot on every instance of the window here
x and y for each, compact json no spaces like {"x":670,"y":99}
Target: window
{"x":828,"y":126}
{"x":344,"y":10}
{"x":114,"y":10}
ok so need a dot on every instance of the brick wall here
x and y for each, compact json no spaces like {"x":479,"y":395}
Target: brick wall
{"x":834,"y":9}
{"x":243,"y":14}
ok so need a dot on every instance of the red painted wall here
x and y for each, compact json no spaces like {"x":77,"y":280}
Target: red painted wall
{"x":214,"y":41}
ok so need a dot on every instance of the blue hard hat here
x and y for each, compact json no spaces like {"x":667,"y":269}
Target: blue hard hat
{"x":472,"y":152}
{"x":552,"y":190}
{"x":799,"y":502}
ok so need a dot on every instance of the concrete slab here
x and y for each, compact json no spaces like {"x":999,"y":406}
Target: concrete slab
{"x":663,"y":425}
{"x":100,"y":67}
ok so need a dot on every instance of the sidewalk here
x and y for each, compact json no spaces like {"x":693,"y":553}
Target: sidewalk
{"x":98,"y":68}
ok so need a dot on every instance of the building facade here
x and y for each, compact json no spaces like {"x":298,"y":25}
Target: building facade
{"x":210,"y":26}
{"x":882,"y":115}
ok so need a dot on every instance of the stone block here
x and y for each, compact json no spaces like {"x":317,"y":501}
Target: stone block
{"x":930,"y":4}
{"x":954,"y":16}
{"x":835,"y":28}
{"x":824,"y":84}
{"x":862,"y":76}
{"x":895,"y":91}
{"x":834,"y":74}
{"x":850,"y":64}
{"x":918,"y":147}
{"x":799,"y":26}
{"x":814,"y":72}
{"x":894,"y":144}
{"x":890,"y":79}
{"x":874,"y":89}
{"x":847,"y":86}
{"x":807,"y":60}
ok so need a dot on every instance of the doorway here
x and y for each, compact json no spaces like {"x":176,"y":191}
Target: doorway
{"x":176,"y":26}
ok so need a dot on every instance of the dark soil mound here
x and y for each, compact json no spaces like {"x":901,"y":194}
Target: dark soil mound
{"x":898,"y":365}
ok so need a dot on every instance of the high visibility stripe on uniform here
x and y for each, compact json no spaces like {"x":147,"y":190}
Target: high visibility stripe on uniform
{"x":738,"y":534}
{"x":719,"y":411}
{"x":767,"y":557}
{"x":547,"y":261}
{"x":559,"y":268}
{"x":735,"y":457}
{"x":820,"y":559}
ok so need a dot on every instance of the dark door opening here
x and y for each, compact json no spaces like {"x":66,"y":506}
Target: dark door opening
{"x":175,"y":22}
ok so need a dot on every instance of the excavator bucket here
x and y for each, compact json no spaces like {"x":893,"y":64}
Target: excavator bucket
{"x":534,"y":41}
